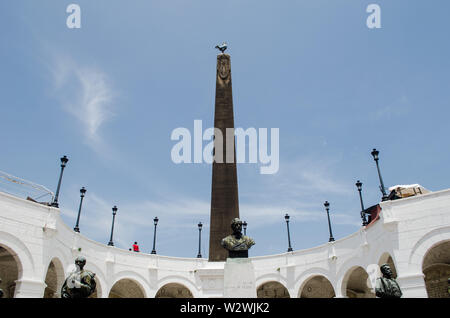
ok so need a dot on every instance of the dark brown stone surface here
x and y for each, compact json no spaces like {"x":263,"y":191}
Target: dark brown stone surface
{"x":224,"y":190}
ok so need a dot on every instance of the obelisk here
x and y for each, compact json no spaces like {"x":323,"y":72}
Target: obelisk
{"x":224,"y":190}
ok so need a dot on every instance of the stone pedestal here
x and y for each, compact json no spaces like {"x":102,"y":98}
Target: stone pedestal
{"x":239,"y":278}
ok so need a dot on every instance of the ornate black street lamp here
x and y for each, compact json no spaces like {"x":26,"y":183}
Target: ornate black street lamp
{"x":363,"y":213}
{"x":286,"y":217}
{"x":244,"y":226}
{"x":199,"y":255}
{"x":64,"y":161}
{"x":114,"y":209}
{"x":374,"y":154}
{"x":82,"y":192}
{"x":155,"y":222}
{"x":327,"y":206}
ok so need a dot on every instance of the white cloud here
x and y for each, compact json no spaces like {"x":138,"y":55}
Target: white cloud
{"x":398,"y":107}
{"x":86,"y":94}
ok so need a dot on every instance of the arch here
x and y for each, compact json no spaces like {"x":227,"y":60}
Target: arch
{"x":182,"y":281}
{"x":10,"y":267}
{"x":272,"y":289}
{"x":63,"y":257}
{"x":436,"y":268}
{"x":131,"y":277}
{"x":316,"y":286}
{"x":355,"y":283}
{"x":306,"y":275}
{"x":20,"y":253}
{"x":271,"y":277}
{"x":54,"y":279}
{"x":174,"y":290}
{"x":343,"y":272}
{"x":127,"y":288}
{"x":424,"y":244}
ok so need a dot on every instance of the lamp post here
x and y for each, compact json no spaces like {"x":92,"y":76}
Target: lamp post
{"x":155,"y":222}
{"x":82,"y":192}
{"x":64,"y":161}
{"x":114,"y":209}
{"x":200,"y":225}
{"x":286,"y":217}
{"x":327,"y":206}
{"x":244,"y":226}
{"x":374,"y":154}
{"x":363,"y":213}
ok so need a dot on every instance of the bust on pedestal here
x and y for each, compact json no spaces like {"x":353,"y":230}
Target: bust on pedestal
{"x":239,"y":274}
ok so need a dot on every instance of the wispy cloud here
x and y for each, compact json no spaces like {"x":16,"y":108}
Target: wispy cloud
{"x":397,"y":108}
{"x":86,"y":94}
{"x":299,"y":189}
{"x":135,"y":218}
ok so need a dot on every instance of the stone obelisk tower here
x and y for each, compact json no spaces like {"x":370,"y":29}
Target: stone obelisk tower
{"x":224,"y":192}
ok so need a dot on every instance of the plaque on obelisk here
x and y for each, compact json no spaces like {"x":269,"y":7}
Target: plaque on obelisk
{"x":224,"y":190}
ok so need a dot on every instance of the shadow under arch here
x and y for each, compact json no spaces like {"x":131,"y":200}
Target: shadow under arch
{"x":10,"y":271}
{"x":307,"y":274}
{"x":127,"y":288}
{"x":272,"y":289}
{"x":436,"y":270}
{"x":54,"y":278}
{"x":174,"y":290}
{"x":355,"y":283}
{"x":316,"y":286}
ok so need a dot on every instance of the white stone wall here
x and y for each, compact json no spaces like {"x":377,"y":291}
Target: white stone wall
{"x":36,"y":235}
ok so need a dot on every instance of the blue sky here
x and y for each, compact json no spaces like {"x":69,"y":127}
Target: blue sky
{"x":108,"y":96}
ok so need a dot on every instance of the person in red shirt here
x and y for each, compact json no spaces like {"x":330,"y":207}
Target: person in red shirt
{"x":135,"y":247}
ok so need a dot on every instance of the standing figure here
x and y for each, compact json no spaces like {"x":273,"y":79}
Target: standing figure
{"x":135,"y":247}
{"x":386,"y":286}
{"x":80,"y":283}
{"x":236,"y":243}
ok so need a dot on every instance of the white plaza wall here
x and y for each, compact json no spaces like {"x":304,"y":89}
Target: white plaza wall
{"x":35,"y":236}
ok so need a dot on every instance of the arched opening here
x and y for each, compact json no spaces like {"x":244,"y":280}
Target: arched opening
{"x":272,"y":290}
{"x":386,"y":258}
{"x":10,"y":269}
{"x":126,"y":288}
{"x":317,"y":287}
{"x":357,"y":284}
{"x":436,"y":268}
{"x":174,"y":290}
{"x":54,"y":279}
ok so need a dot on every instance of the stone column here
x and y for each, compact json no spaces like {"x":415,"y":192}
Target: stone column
{"x":224,"y":190}
{"x":27,"y":288}
{"x":412,"y":286}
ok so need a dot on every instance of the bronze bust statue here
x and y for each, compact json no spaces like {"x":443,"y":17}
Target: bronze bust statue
{"x":80,"y":283}
{"x":236,"y":243}
{"x":386,"y":286}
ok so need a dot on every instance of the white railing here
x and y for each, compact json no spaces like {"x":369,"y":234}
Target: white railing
{"x":25,"y":189}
